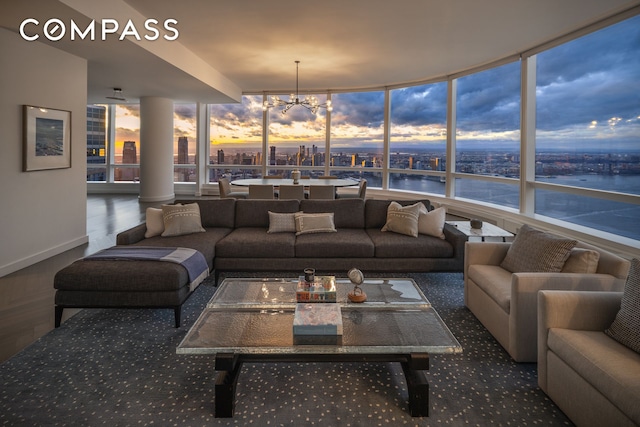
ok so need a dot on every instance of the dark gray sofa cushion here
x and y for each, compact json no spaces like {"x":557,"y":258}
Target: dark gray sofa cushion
{"x":215,"y":213}
{"x":394,"y":245}
{"x":255,"y":242}
{"x":345,"y":243}
{"x":255,"y":213}
{"x":348,"y":213}
{"x":376,"y":210}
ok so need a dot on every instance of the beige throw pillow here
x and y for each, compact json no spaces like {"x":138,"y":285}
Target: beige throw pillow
{"x":155,"y":223}
{"x":181,"y":219}
{"x":432,"y":223}
{"x":314,"y":223}
{"x":536,"y":251}
{"x":281,"y":222}
{"x":403,"y":219}
{"x":581,"y":261}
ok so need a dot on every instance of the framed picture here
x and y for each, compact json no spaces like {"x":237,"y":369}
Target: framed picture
{"x":47,"y":138}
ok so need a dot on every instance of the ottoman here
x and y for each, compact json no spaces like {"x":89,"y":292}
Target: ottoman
{"x":121,"y":284}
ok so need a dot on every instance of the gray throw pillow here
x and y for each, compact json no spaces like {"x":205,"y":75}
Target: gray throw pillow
{"x":626,"y":327}
{"x":281,"y":222}
{"x":536,"y":251}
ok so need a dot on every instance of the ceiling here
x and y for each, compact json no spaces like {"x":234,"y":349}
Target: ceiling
{"x":226,"y":48}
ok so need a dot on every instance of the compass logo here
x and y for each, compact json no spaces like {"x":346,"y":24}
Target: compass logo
{"x":55,"y":29}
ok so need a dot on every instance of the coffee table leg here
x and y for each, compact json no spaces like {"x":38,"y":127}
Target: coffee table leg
{"x":417,"y":384}
{"x":228,"y":368}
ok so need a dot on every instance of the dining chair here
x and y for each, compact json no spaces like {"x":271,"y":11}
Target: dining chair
{"x":361,"y":194}
{"x":261,"y":191}
{"x":291,"y":192}
{"x":225,"y":190}
{"x":322,"y":192}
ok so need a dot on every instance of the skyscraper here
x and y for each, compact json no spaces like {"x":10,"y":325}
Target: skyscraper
{"x":96,"y":142}
{"x":272,"y":155}
{"x":129,"y":156}
{"x":183,"y":150}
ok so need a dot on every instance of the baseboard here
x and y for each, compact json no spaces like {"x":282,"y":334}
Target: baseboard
{"x":41,"y":256}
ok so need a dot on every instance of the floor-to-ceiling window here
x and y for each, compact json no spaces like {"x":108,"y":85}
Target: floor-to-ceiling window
{"x":357,"y":136}
{"x":586,"y":145}
{"x":235,"y":148}
{"x":418,"y":138}
{"x":184,"y":142}
{"x":488,"y":135}
{"x":127,"y":143}
{"x":588,"y":130}
{"x":297,"y":139}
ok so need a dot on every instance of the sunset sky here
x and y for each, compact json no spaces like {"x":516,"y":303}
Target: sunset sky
{"x":588,"y":95}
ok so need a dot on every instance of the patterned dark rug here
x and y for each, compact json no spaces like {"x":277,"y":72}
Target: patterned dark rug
{"x":120,"y":368}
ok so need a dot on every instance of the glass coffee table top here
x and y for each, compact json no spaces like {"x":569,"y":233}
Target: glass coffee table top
{"x":255,"y":316}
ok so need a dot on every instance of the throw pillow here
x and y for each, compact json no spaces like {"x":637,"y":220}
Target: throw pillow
{"x":626,"y":327}
{"x":582,"y":261}
{"x":281,"y":222}
{"x":181,"y":219}
{"x":155,"y":224}
{"x":536,"y":251}
{"x":403,"y":219}
{"x":432,"y":223}
{"x":314,"y":223}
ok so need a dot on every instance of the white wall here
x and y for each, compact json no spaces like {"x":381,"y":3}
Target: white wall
{"x":42,"y":213}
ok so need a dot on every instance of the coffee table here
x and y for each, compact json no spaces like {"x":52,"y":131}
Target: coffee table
{"x":251,"y":320}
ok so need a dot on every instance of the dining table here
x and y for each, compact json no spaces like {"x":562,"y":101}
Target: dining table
{"x":276,"y":182}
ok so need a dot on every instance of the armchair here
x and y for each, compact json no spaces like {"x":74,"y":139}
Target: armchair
{"x":506,"y":303}
{"x":594,"y":379}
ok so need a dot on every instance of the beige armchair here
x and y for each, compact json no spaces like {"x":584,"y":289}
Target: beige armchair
{"x":594,"y":379}
{"x":506,"y":303}
{"x":225,"y":190}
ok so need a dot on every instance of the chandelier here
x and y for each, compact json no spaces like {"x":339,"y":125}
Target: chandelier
{"x":309,"y":102}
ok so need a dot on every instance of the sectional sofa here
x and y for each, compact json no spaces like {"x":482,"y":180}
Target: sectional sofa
{"x":252,"y":236}
{"x":237,"y":238}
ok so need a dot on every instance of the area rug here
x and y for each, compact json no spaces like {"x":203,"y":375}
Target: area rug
{"x":120,"y":368}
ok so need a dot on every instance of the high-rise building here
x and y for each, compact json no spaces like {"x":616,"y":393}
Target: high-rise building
{"x":272,"y":155}
{"x":129,"y":156}
{"x":96,"y":142}
{"x":221,"y":157}
{"x":183,"y":150}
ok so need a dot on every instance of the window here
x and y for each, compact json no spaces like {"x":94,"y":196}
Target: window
{"x":488,"y":131}
{"x":588,"y":128}
{"x":418,"y":138}
{"x":357,"y":136}
{"x":297,"y":139}
{"x":127,"y":144}
{"x":184,"y":146}
{"x":236,"y":139}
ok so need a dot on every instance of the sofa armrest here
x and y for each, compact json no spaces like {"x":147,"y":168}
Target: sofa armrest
{"x":457,"y":239}
{"x":524,"y":303}
{"x":132,"y":235}
{"x":581,"y":310}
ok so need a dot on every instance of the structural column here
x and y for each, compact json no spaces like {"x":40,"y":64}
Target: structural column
{"x":156,"y":149}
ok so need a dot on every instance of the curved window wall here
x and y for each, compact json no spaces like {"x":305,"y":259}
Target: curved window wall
{"x":580,"y":164}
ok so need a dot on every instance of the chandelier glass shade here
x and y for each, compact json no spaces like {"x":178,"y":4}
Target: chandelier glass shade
{"x":310,"y":102}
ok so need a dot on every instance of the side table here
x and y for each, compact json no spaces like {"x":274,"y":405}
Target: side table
{"x":488,"y":231}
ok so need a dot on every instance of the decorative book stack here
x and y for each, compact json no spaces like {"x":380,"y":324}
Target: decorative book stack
{"x":322,"y":289}
{"x":317,"y":319}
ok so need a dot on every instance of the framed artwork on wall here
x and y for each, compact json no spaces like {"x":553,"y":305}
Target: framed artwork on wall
{"x":47,"y":138}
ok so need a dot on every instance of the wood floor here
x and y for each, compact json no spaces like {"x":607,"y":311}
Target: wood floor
{"x":27,"y":295}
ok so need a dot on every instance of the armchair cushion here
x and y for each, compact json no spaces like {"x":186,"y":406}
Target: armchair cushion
{"x":536,"y":251}
{"x":626,"y":327}
{"x":582,"y":261}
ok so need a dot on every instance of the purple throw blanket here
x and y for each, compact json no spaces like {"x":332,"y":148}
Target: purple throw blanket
{"x":192,"y":260}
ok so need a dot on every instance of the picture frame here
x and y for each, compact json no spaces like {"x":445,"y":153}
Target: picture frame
{"x":46,"y":138}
